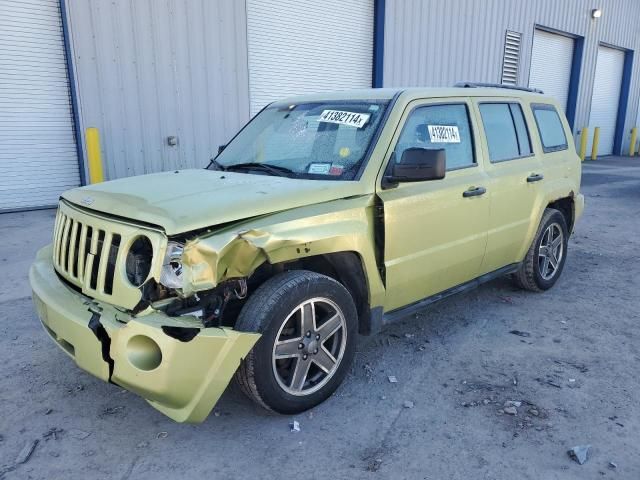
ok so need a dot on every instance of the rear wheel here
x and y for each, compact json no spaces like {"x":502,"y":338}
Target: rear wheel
{"x":308,"y":324}
{"x":546,"y":257}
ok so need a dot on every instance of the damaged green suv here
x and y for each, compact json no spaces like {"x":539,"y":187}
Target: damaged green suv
{"x":324,"y":217}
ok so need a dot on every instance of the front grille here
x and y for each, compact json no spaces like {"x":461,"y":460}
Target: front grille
{"x":89,"y":251}
{"x":74,"y":241}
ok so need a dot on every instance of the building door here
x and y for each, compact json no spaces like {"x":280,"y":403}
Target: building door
{"x":307,"y":47}
{"x":551,"y":60}
{"x":606,"y":96}
{"x":38,"y":158}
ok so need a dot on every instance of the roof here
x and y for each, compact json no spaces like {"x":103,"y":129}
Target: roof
{"x":411,"y":93}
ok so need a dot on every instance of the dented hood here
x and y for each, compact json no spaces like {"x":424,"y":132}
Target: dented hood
{"x":188,"y":200}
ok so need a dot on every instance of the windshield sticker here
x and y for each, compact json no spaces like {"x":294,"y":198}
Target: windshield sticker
{"x":336,"y":170}
{"x":344,"y":152}
{"x":319,"y":168}
{"x":444,"y":133}
{"x":351,"y":119}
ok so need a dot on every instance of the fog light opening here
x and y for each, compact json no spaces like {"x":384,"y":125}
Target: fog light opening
{"x":144,"y":353}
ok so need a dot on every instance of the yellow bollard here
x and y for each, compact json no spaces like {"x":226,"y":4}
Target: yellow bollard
{"x":632,"y":145}
{"x":584,"y":138}
{"x":92,"y":138}
{"x":596,"y":141}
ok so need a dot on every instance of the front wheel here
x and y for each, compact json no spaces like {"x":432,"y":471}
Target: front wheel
{"x":308,"y":324}
{"x":546,"y":257}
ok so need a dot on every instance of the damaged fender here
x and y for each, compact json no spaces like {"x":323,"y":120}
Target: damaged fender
{"x":337,"y":226}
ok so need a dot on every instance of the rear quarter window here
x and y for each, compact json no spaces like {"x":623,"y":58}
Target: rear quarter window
{"x":550,"y":128}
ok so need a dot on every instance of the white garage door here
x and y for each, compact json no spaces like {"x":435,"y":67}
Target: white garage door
{"x":606,"y":96}
{"x":551,"y":60}
{"x":305,"y":47}
{"x":38,"y":158}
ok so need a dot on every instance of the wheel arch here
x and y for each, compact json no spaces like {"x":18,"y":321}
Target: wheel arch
{"x":566,"y":206}
{"x":345,"y":267}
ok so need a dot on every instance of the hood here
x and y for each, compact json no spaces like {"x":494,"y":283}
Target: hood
{"x":188,"y":200}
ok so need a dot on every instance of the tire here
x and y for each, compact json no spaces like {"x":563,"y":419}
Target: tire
{"x":271,"y":374}
{"x":535,"y":273}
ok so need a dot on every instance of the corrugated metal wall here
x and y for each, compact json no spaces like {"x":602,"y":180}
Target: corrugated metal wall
{"x":437,"y":43}
{"x":150,"y":69}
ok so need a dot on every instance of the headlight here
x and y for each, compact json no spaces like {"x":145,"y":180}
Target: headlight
{"x":171,"y":274}
{"x":139,"y":259}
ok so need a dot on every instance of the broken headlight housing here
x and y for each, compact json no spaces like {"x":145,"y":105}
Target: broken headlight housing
{"x":171,"y":273}
{"x":138,"y":262}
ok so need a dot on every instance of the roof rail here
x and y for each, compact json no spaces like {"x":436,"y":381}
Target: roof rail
{"x":496,"y":85}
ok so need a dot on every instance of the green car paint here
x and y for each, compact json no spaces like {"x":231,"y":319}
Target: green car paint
{"x":412,"y":241}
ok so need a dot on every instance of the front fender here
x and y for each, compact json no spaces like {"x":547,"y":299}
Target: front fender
{"x":336,"y":226}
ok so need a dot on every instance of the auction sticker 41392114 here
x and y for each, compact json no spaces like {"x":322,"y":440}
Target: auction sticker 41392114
{"x":340,"y":117}
{"x":444,"y":133}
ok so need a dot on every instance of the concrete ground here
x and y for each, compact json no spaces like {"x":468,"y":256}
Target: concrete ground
{"x":575,"y":370}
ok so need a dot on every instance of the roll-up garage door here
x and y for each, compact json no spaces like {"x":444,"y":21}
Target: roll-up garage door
{"x":551,"y":60}
{"x":606,"y":96}
{"x":306,"y":47}
{"x":38,"y":158}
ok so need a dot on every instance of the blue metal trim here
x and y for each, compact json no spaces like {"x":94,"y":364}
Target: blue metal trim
{"x":378,"y":43}
{"x":538,"y":26}
{"x":72,"y":90}
{"x":574,"y":80}
{"x":623,"y":101}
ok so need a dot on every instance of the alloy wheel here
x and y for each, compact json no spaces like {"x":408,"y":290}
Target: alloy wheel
{"x":309,"y":346}
{"x":550,"y":251}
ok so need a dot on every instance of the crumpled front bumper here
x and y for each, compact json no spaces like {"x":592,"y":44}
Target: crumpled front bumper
{"x":155,"y":356}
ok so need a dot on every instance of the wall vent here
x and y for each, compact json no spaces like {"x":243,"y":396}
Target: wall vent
{"x":511,"y":58}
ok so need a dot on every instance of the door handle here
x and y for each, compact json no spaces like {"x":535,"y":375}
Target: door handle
{"x":535,"y":177}
{"x":474,"y":192}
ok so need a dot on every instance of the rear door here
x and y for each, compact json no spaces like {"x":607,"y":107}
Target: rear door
{"x":555,"y":142}
{"x":435,"y":231}
{"x":516,"y":177}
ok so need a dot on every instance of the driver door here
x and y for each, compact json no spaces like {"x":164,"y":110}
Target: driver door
{"x":435,"y":231}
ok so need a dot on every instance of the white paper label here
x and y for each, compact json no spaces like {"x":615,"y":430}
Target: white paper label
{"x":444,"y":134}
{"x":319,"y":168}
{"x":351,"y":119}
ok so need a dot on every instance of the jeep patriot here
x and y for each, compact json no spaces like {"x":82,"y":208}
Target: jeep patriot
{"x":325,"y":217}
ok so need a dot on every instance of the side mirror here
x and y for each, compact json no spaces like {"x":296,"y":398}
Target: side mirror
{"x":221,"y":148}
{"x":417,"y":165}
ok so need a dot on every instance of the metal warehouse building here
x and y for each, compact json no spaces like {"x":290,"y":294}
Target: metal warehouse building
{"x":167,"y":81}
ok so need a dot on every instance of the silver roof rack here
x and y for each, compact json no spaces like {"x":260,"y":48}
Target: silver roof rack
{"x":496,"y":85}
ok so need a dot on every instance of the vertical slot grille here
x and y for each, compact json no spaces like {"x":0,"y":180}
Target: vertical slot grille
{"x":95,"y":267}
{"x":111,"y":263}
{"x":73,"y":242}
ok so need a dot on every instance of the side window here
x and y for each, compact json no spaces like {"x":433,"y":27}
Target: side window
{"x":550,"y":127}
{"x":439,"y":126}
{"x":524,"y":143}
{"x":506,"y":131}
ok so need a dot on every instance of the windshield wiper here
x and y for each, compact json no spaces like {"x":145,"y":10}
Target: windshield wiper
{"x":216,"y":164}
{"x":265,"y":167}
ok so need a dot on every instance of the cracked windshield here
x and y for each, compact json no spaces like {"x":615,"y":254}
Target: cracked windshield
{"x":319,"y":140}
